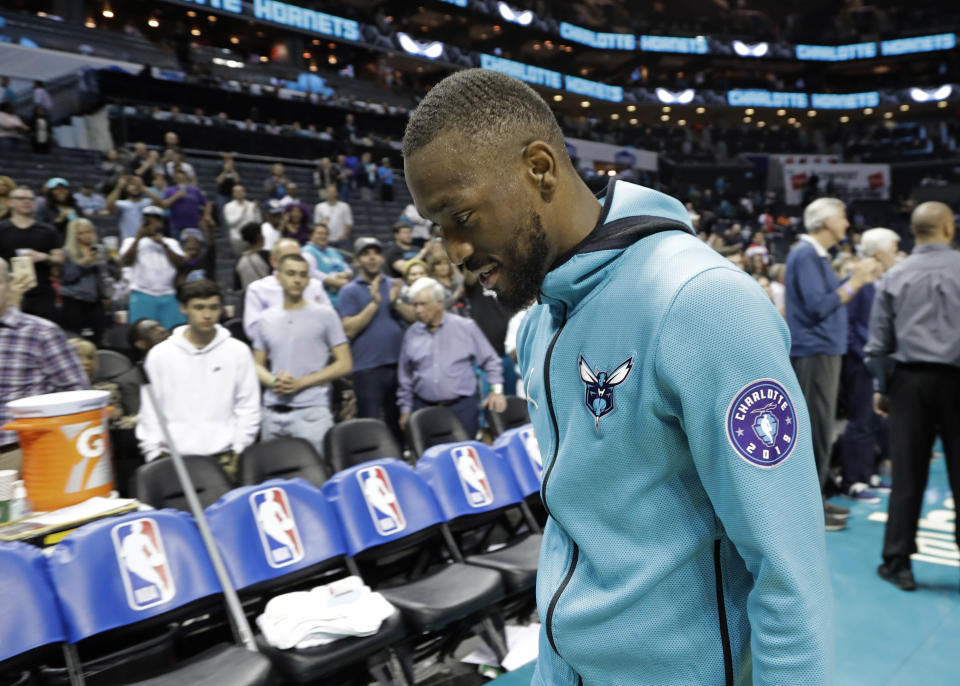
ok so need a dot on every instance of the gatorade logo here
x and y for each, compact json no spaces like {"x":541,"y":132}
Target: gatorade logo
{"x":91,"y":445}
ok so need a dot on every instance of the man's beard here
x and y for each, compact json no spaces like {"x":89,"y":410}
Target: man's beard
{"x":528,"y":267}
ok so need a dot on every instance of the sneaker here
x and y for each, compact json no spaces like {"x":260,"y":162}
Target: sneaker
{"x":879,"y":484}
{"x":862,"y":493}
{"x":834,"y":523}
{"x":836,"y":510}
{"x":901,"y":577}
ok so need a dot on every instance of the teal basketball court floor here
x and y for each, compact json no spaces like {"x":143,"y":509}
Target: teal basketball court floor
{"x":885,"y":636}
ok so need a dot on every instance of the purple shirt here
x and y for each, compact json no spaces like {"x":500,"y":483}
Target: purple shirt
{"x":438,"y":366}
{"x":185,"y":213}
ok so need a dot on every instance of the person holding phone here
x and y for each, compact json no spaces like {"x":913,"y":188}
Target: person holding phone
{"x":23,"y":236}
{"x":84,"y":288}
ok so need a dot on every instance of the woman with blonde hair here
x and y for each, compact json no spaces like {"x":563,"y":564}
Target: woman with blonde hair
{"x":84,"y":286}
{"x":440,"y":268}
{"x":6,"y":186}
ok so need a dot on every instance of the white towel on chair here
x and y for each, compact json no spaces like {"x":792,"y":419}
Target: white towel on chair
{"x":324,"y":614}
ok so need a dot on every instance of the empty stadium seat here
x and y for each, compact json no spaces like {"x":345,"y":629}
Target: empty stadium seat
{"x":356,"y":441}
{"x":515,"y":415}
{"x":474,"y":487}
{"x":157,"y":485}
{"x":281,"y":458}
{"x":391,"y":517}
{"x":127,"y":578}
{"x":430,"y":426}
{"x":521,"y":451}
{"x":30,"y":624}
{"x":283,"y":535}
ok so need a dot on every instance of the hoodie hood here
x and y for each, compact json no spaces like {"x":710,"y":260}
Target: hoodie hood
{"x":629,"y":214}
{"x":179,"y":339}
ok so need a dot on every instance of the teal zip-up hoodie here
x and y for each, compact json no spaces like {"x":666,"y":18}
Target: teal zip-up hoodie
{"x":685,"y":543}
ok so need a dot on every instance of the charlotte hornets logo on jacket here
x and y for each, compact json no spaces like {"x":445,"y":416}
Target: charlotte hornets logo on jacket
{"x":598,"y":396}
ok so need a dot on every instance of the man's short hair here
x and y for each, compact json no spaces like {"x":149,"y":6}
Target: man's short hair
{"x":485,"y":107}
{"x":280,"y":245}
{"x":877,"y":239}
{"x":431,"y":287}
{"x":292,"y":256}
{"x":400,"y":226}
{"x":199,"y":288}
{"x":251,"y":233}
{"x":816,"y":213}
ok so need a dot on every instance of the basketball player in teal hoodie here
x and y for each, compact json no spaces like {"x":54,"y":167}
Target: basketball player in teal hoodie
{"x":685,"y":540}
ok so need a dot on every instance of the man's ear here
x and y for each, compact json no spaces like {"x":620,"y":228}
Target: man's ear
{"x":542,"y":167}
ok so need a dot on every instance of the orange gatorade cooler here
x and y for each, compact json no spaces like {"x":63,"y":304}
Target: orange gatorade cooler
{"x":66,"y":446}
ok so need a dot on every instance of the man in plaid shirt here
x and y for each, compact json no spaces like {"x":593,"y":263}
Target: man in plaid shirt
{"x":35,"y":358}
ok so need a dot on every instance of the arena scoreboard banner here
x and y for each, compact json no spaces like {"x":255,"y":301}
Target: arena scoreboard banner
{"x":854,"y":181}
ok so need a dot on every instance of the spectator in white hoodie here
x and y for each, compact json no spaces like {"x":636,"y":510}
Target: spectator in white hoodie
{"x":206,"y":383}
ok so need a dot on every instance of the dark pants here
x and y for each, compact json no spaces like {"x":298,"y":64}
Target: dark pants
{"x":924,"y":400}
{"x":466,"y":408}
{"x":83,"y":318}
{"x":42,"y":305}
{"x":859,"y":437}
{"x":376,"y":391}
{"x":819,"y":377}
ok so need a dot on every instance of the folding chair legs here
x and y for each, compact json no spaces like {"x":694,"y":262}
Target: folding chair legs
{"x":390,"y":669}
{"x":74,"y":668}
{"x":494,"y":636}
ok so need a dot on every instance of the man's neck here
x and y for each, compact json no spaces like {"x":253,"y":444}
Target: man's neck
{"x":290,"y":303}
{"x":576,"y":219}
{"x":369,"y":277}
{"x":199,"y":339}
{"x":826,"y":239}
{"x":405,"y":246}
{"x":22,"y":221}
{"x":435,"y":324}
{"x":931,"y":241}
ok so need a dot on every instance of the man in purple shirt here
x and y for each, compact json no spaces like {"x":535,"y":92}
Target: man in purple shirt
{"x":437,"y":357}
{"x":187,"y":204}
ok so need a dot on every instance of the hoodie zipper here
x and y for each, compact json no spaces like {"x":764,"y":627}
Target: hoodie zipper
{"x":543,"y":496}
{"x":722,"y":617}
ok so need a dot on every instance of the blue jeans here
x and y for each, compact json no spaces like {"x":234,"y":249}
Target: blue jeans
{"x":308,"y":423}
{"x":163,"y":308}
{"x":859,"y":436}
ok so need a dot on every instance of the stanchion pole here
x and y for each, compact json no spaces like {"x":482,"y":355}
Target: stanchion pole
{"x":238,"y":620}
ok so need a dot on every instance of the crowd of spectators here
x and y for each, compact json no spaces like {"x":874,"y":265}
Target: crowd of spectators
{"x":332,"y":325}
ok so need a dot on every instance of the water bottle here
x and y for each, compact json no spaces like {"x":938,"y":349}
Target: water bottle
{"x":20,"y":506}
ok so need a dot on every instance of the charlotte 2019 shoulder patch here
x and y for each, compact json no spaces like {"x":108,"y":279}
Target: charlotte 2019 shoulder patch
{"x":762,"y":423}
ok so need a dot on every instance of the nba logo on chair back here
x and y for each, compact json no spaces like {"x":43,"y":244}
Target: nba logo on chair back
{"x":146,"y":574}
{"x":473,"y":478}
{"x":381,"y":501}
{"x":277,"y":527}
{"x":530,"y":444}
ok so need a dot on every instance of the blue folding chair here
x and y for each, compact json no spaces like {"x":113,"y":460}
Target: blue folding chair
{"x":476,"y":488}
{"x":31,"y":629}
{"x":520,"y":449}
{"x":395,"y":530}
{"x":283,"y":535}
{"x":122,"y":582}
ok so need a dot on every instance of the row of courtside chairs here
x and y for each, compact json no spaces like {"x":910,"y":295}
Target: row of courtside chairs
{"x":451,"y":542}
{"x":346,"y":444}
